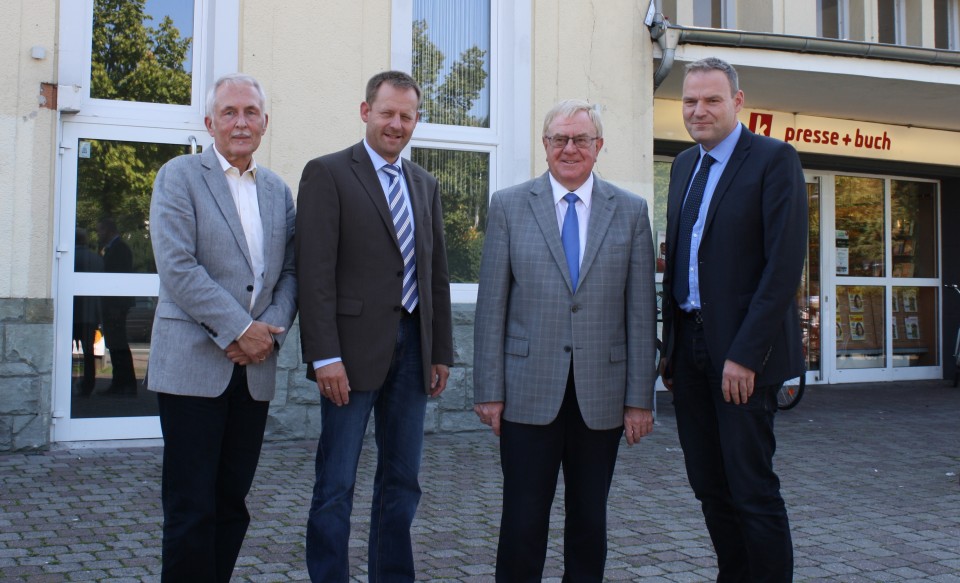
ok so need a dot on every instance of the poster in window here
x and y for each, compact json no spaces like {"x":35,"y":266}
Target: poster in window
{"x":896,"y":335}
{"x":909,"y":300}
{"x":843,"y":253}
{"x":857,"y":331}
{"x":896,"y":302}
{"x":856,"y":302}
{"x":839,"y":329}
{"x":911,"y":325}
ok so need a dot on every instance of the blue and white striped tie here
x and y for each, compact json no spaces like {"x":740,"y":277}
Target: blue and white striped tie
{"x":403,"y":222}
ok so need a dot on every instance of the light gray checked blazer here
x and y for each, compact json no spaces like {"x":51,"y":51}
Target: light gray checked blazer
{"x":529,"y":322}
{"x":206,"y":276}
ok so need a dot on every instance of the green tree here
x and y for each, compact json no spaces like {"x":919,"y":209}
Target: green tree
{"x":131,"y":61}
{"x":464,"y":176}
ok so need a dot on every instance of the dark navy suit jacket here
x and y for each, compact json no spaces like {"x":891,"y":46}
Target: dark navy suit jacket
{"x":750,"y":258}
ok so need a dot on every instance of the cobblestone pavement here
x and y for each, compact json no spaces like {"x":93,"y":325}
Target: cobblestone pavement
{"x":869,"y":474}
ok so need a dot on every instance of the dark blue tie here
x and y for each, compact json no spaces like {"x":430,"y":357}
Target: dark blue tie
{"x":688,"y":217}
{"x":570,"y":236}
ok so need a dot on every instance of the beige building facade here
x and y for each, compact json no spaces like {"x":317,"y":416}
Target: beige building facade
{"x":87,"y":115}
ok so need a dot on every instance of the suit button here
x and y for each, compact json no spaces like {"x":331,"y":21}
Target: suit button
{"x":575,"y":308}
{"x":567,"y":349}
{"x":250,"y":288}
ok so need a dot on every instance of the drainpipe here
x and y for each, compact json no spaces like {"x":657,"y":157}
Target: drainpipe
{"x":659,"y":31}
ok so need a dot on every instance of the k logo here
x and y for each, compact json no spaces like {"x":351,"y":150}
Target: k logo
{"x":760,"y":123}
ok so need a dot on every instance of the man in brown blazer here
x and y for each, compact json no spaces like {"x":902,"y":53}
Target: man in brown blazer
{"x":375,"y":326}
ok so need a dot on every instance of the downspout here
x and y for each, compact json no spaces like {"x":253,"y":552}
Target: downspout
{"x":668,"y":47}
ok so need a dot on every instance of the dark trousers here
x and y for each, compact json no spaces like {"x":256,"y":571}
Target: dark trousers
{"x":728,"y":450}
{"x":210,"y":455}
{"x":531,"y":457}
{"x":115,"y":336}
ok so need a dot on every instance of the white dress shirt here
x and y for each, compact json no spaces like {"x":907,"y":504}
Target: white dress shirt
{"x":243,"y":188}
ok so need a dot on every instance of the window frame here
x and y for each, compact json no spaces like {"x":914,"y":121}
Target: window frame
{"x":215,"y":52}
{"x":508,"y":139}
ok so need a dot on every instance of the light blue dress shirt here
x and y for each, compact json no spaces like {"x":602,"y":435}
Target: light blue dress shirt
{"x":721,"y":153}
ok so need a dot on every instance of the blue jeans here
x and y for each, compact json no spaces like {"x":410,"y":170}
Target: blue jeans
{"x":398,"y":407}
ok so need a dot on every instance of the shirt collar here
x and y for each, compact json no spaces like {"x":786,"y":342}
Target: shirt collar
{"x":378,"y":160}
{"x":722,"y":151}
{"x":226,"y":166}
{"x":584,"y":191}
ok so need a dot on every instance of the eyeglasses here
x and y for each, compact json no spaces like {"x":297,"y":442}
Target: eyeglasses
{"x":559,"y":142}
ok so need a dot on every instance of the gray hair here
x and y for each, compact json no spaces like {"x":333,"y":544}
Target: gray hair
{"x":569,"y":108}
{"x":715,"y":64}
{"x":234,"y":79}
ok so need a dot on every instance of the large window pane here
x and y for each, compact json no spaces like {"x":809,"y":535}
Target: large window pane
{"x":914,"y":326}
{"x":914,"y":236}
{"x":111,"y":345}
{"x":142,"y":51}
{"x":861,"y":327}
{"x":860,"y":227}
{"x":451,"y":60}
{"x":828,"y":18}
{"x":464,"y":189}
{"x":114,"y":187}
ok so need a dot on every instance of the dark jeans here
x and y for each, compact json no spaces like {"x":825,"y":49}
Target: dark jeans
{"x":210,"y":454}
{"x":398,"y":408}
{"x":728,"y":450}
{"x":531,"y":457}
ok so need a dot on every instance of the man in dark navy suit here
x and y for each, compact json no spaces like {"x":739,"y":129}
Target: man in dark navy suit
{"x":736,"y":237}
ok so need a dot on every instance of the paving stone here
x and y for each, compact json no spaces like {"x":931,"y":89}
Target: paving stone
{"x":864,"y":473}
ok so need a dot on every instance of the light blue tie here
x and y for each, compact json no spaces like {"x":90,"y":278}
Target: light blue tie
{"x":570,"y":237}
{"x":403,"y":223}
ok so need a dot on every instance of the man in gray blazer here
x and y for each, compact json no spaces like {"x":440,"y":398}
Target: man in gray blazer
{"x":222,"y":232}
{"x":375,"y":327}
{"x":564,"y":360}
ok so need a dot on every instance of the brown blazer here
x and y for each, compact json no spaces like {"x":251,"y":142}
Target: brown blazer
{"x":350,"y":271}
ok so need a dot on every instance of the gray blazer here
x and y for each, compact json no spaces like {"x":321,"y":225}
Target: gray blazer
{"x":529,"y":321}
{"x":206,"y":276}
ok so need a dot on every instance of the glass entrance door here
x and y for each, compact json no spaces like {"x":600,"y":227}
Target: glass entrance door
{"x":106,"y":278}
{"x":880,"y":306}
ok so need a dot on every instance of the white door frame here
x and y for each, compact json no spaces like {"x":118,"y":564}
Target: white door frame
{"x":64,"y":427}
{"x":829,"y":281}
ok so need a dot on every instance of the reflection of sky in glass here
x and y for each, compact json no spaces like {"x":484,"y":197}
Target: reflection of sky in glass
{"x":454,"y":26}
{"x":181,"y":12}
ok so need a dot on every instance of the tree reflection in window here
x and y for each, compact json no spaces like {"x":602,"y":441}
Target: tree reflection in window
{"x":464,"y":189}
{"x":455,"y":93}
{"x":133,"y":61}
{"x":859,"y":216}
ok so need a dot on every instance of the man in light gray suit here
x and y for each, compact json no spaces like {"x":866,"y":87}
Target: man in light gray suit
{"x":222,"y":231}
{"x":565,"y":345}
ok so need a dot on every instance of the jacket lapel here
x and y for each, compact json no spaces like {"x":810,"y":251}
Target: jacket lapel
{"x":737,"y":158}
{"x":220,"y":191}
{"x":365,"y":173}
{"x":545,"y":213}
{"x":601,"y":214}
{"x":266,"y":201}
